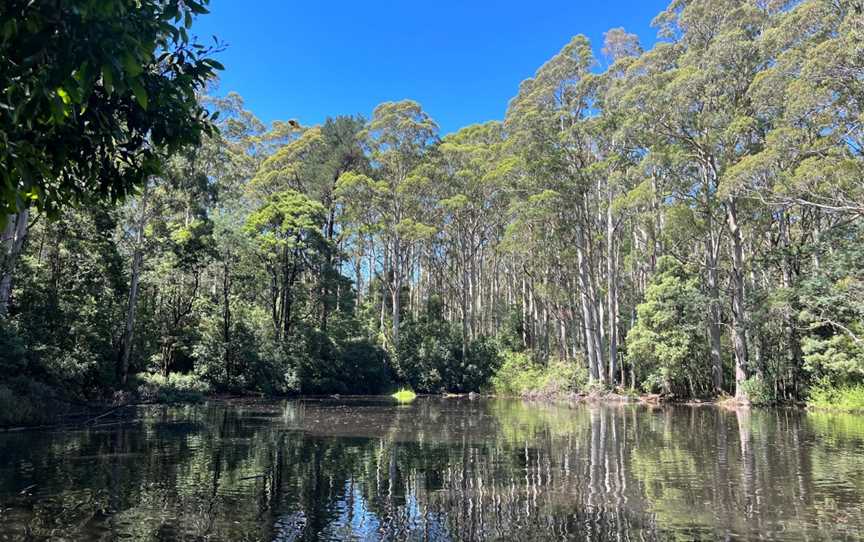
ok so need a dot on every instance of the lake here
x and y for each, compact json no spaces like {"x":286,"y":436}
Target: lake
{"x":437,"y":469}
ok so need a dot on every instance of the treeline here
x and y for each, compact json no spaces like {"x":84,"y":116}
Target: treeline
{"x":686,"y":220}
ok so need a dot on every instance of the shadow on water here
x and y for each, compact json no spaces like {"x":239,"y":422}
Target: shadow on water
{"x":369,"y":469}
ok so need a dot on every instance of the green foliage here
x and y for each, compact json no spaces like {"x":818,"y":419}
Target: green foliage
{"x":832,"y":298}
{"x":430,"y":356}
{"x":667,"y":343}
{"x":364,"y":367}
{"x":92,"y":93}
{"x":429,"y":348}
{"x":233,"y":365}
{"x":13,"y":360}
{"x":404,"y":396}
{"x":175,"y":388}
{"x":482,"y":359}
{"x":67,"y":313}
{"x":510,"y":333}
{"x":277,"y":373}
{"x":758,"y":392}
{"x":520,"y":375}
{"x":849,"y":398}
{"x":290,"y":222}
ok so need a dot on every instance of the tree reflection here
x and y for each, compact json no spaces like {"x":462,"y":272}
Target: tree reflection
{"x":436,"y":470}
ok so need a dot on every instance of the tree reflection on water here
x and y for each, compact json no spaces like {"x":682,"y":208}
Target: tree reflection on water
{"x":454,"y":469}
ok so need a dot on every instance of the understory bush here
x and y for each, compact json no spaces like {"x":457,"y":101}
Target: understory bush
{"x":176,"y":388}
{"x":848,"y":398}
{"x":431,"y":359}
{"x":519,"y":374}
{"x":758,"y":391}
{"x":667,"y":344}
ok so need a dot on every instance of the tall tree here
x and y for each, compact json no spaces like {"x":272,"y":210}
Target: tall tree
{"x":398,"y":138}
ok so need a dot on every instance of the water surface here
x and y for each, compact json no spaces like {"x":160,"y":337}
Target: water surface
{"x":437,"y":469}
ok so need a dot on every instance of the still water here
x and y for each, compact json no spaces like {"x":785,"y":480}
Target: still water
{"x":437,"y":469}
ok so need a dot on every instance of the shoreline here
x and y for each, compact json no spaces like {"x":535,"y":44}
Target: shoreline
{"x":102,"y":414}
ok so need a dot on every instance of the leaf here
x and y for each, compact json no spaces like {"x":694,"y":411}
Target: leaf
{"x":131,"y":65}
{"x":108,"y":78}
{"x":140,"y":93}
{"x":197,"y":8}
{"x":218,"y":66}
{"x":64,"y":96}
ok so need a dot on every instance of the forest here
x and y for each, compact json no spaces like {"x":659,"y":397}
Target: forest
{"x":685,"y":220}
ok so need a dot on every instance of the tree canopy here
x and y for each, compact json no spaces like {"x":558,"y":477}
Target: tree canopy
{"x":684,"y":219}
{"x":92,"y":93}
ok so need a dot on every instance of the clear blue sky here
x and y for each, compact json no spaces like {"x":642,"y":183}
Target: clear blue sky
{"x":461,"y":59}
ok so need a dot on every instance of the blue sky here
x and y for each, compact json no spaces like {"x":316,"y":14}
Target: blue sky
{"x":462,"y":60}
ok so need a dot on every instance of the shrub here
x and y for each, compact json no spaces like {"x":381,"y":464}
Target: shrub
{"x":176,"y":388}
{"x":430,"y":357}
{"x":517,"y":374}
{"x":228,"y":366}
{"x":521,"y":375}
{"x":561,"y":376}
{"x":428,"y":353}
{"x":404,"y":396}
{"x":654,"y":382}
{"x":364,"y":366}
{"x":758,"y":391}
{"x":12,"y":359}
{"x":667,"y":342}
{"x":848,"y":398}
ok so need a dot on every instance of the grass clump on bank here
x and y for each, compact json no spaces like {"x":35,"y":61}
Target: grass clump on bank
{"x":175,"y":388}
{"x":848,"y":398}
{"x":404,"y":396}
{"x":520,"y":375}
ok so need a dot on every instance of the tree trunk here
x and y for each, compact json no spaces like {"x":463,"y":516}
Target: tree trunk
{"x":588,"y":321}
{"x":226,"y":318}
{"x":739,"y":318}
{"x":397,"y":290}
{"x":714,"y":315}
{"x":12,"y":242}
{"x":465,"y":309}
{"x":611,"y":291}
{"x":137,"y":261}
{"x":793,"y":352}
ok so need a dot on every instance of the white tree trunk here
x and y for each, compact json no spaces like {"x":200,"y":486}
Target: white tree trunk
{"x":12,"y":242}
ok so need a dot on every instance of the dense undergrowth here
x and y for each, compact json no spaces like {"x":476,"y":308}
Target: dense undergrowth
{"x":847,"y":398}
{"x":520,"y":375}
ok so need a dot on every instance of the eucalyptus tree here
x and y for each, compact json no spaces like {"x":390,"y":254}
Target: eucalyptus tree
{"x":655,"y":113}
{"x":469,"y":173}
{"x":398,"y":138}
{"x":229,"y":159}
{"x":549,"y":126}
{"x":807,"y":172}
{"x":618,"y":168}
{"x":691,"y":93}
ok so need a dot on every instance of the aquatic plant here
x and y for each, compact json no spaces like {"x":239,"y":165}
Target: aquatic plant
{"x":404,"y":395}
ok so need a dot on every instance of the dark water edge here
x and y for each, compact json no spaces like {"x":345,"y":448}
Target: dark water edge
{"x":437,"y":469}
